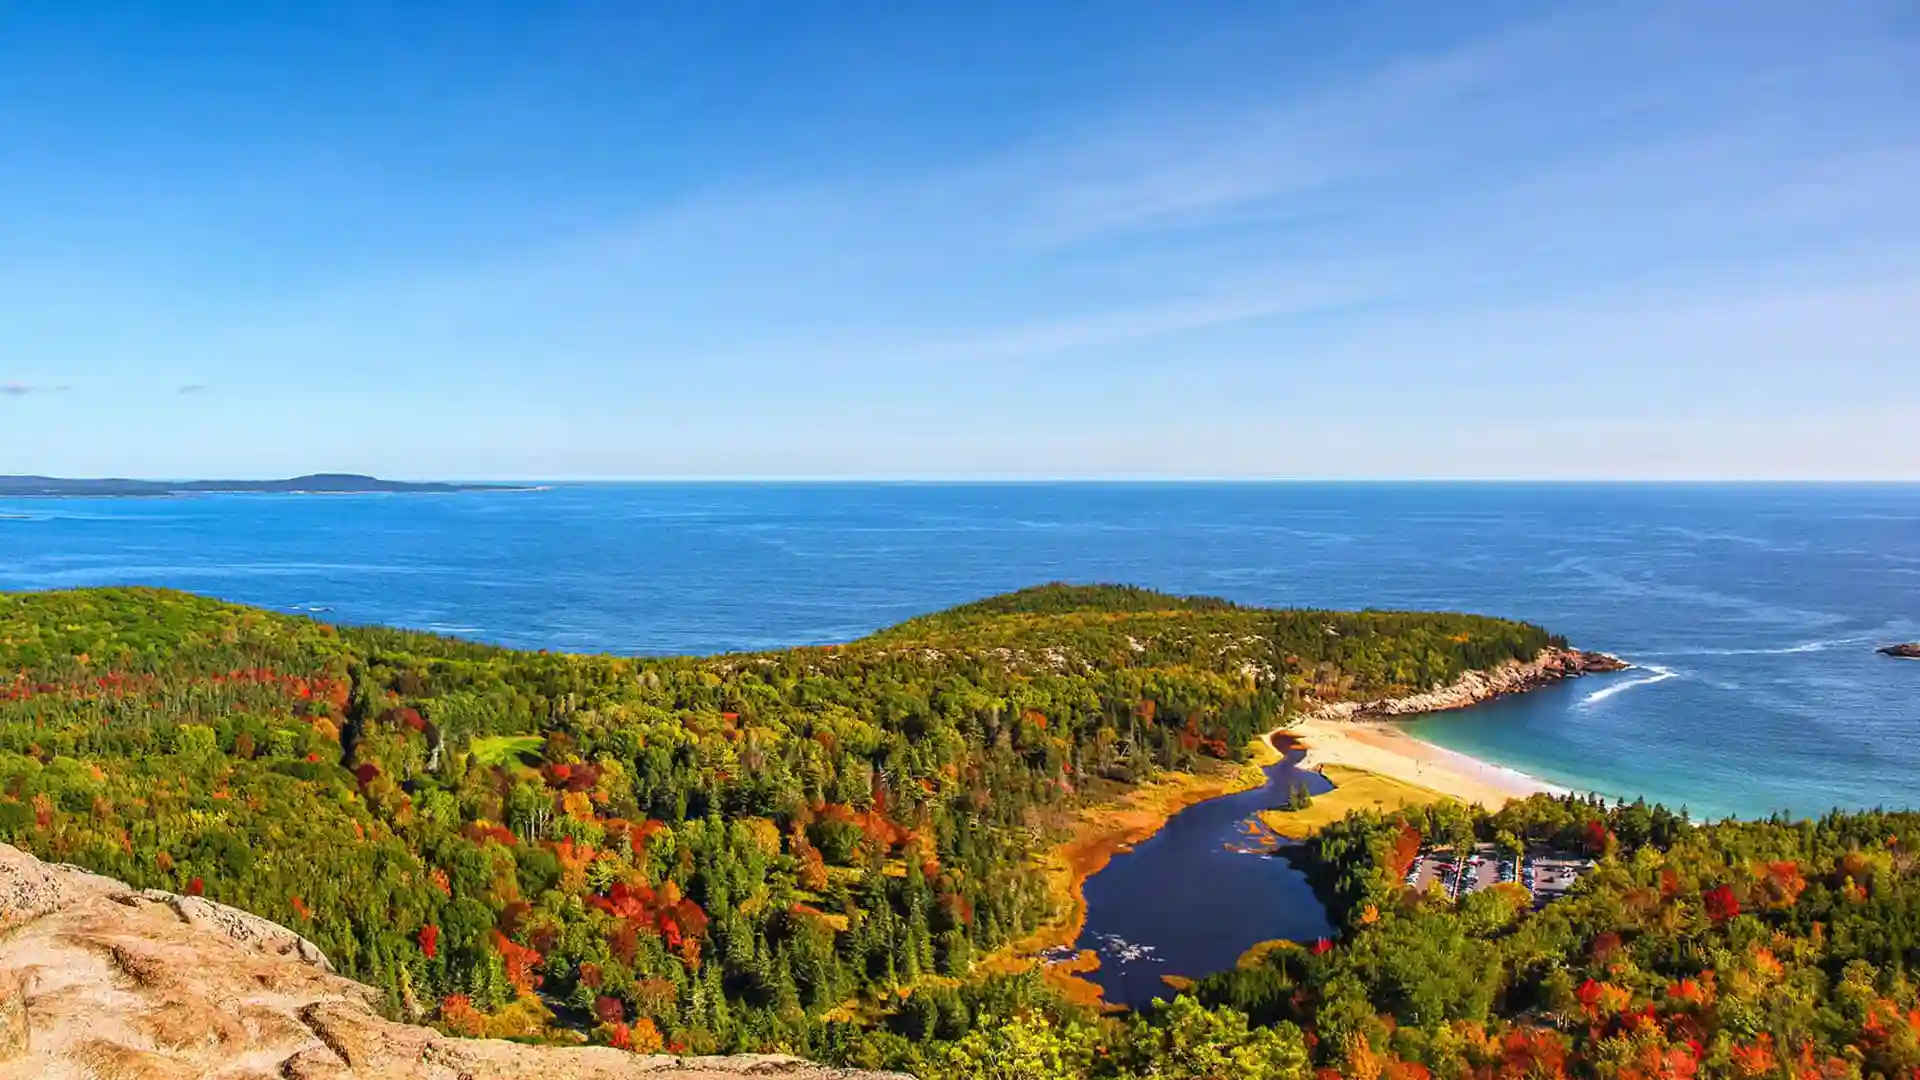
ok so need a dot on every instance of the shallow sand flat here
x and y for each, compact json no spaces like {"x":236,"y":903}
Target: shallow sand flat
{"x":1386,"y":749}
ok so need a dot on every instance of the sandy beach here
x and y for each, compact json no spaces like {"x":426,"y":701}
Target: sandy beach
{"x":1385,"y":749}
{"x":1351,"y":733}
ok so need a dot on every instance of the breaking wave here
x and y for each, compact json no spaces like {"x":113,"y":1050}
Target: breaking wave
{"x":1655,"y":673}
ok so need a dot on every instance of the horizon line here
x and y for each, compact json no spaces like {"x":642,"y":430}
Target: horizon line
{"x":1003,"y":479}
{"x":1195,"y":479}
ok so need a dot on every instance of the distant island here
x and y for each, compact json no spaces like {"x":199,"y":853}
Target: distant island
{"x":317,"y":484}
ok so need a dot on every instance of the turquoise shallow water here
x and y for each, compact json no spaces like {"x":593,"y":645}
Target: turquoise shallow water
{"x":1753,"y":610}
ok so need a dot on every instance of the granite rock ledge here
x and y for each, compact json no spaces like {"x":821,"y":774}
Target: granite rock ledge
{"x":98,"y":979}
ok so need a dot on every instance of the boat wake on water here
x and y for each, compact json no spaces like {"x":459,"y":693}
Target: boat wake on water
{"x":1818,"y":646}
{"x":1784,"y":650}
{"x":1655,"y":674}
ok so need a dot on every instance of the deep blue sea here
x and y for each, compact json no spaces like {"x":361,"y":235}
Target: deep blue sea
{"x":1752,"y":610}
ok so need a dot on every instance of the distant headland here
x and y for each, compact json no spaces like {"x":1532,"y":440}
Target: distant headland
{"x":18,"y":487}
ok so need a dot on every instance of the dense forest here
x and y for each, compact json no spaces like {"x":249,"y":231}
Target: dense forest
{"x":737,"y":852}
{"x":1740,"y":949}
{"x":815,"y":850}
{"x":1774,"y":949}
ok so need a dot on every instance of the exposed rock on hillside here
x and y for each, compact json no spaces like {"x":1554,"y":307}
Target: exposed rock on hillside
{"x":1551,"y":666}
{"x":104,"y":982}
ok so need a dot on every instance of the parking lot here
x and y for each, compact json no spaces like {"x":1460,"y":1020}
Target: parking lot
{"x":1546,"y":874}
{"x":1554,"y":874}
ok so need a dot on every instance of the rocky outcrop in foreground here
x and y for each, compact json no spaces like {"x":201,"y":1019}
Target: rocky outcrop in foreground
{"x":1513,"y":677}
{"x":1909,"y":651}
{"x":99,"y":981}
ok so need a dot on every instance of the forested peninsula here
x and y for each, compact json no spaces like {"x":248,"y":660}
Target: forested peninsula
{"x":831,"y":851}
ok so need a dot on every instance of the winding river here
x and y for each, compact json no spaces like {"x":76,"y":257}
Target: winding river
{"x":1196,"y":895}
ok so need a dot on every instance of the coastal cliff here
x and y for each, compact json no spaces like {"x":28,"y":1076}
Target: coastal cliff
{"x":98,"y":979}
{"x":1513,"y":677}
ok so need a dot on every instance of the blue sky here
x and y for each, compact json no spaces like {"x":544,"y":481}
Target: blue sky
{"x":986,"y":239}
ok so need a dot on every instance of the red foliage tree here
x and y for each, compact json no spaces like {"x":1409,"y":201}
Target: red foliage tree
{"x":459,"y":1016}
{"x":520,"y":962}
{"x":513,"y":915}
{"x":1589,"y":995}
{"x":1406,"y":848}
{"x":1654,"y":1061}
{"x":1533,"y":1053}
{"x":1693,"y":993}
{"x":1756,"y":1058}
{"x":1721,"y":903}
{"x":624,"y":942}
{"x":1597,"y":836}
{"x":403,"y":716}
{"x":645,"y":1037}
{"x":1783,"y":883}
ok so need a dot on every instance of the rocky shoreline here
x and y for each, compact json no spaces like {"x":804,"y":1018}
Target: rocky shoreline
{"x":1909,"y":651}
{"x":1361,"y":735}
{"x":1513,"y":677}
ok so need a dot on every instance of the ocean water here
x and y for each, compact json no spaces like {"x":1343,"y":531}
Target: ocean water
{"x":1752,"y":611}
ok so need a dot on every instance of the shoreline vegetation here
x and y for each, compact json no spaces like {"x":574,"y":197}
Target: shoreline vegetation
{"x":1353,"y":789}
{"x":1097,"y":834}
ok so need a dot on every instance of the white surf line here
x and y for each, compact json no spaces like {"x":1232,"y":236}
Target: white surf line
{"x":1659,"y":674}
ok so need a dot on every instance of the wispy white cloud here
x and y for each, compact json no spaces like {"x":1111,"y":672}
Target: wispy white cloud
{"x":1572,"y":218}
{"x":1562,"y":105}
{"x":1581,"y":144}
{"x":21,"y":389}
{"x":1209,"y":162}
{"x":1247,"y":302}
